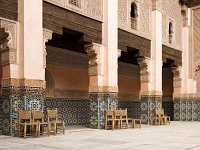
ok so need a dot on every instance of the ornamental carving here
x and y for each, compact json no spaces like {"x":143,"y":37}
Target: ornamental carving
{"x":171,"y":12}
{"x":9,"y":82}
{"x":145,"y":69}
{"x":9,"y":55}
{"x":95,"y":58}
{"x":195,"y":41}
{"x":143,"y":17}
{"x":92,"y":9}
{"x":184,"y":12}
{"x":47,"y":35}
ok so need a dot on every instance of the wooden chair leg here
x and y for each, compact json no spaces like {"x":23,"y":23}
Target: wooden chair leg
{"x":25,"y":127}
{"x":19,"y":130}
{"x":55,"y":130}
{"x":39,"y":130}
{"x":63,"y":127}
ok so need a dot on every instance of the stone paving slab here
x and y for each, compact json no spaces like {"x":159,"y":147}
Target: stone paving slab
{"x":177,"y":136}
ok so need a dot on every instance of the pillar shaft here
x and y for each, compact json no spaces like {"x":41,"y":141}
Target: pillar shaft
{"x":23,"y":72}
{"x":103,"y":67}
{"x":151,"y":90}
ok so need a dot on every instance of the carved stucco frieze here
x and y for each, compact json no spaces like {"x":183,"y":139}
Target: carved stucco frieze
{"x":195,"y":41}
{"x":9,"y":48}
{"x":145,"y":69}
{"x":92,"y":9}
{"x":177,"y":76}
{"x":143,"y":20}
{"x":171,"y":12}
{"x":47,"y":35}
{"x":95,"y":58}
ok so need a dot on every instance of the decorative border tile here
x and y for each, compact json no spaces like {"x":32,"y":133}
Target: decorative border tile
{"x":99,"y":102}
{"x":148,"y":105}
{"x":18,"y":98}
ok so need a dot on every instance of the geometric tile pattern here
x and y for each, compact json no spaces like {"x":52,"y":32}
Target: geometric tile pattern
{"x":99,"y":102}
{"x":133,"y":108}
{"x":186,"y":109}
{"x":18,"y":98}
{"x":1,"y":115}
{"x":149,"y":103}
{"x":72,"y":111}
{"x":168,"y":109}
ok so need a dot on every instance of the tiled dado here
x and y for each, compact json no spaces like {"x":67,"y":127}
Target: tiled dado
{"x":1,"y":116}
{"x":18,"y":98}
{"x":187,"y":109}
{"x":99,"y":102}
{"x":168,"y":107}
{"x":133,"y":107}
{"x":148,"y":105}
{"x":72,"y":111}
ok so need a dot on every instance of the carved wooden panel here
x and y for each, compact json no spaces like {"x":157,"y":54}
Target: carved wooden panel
{"x":61,"y":18}
{"x":127,"y":39}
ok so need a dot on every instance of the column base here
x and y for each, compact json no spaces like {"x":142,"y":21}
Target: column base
{"x":99,"y":102}
{"x":15,"y":99}
{"x":149,"y":103}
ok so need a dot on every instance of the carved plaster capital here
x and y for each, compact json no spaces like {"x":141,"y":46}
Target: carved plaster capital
{"x":47,"y":35}
{"x":145,"y":69}
{"x":95,"y":58}
{"x":177,"y":72}
{"x":184,"y":12}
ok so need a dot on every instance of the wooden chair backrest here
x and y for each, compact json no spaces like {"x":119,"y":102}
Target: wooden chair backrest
{"x":38,"y":116}
{"x":25,"y":116}
{"x":162,"y":112}
{"x":109,"y":114}
{"x":52,"y":115}
{"x":117,"y":114}
{"x":158,"y":114}
{"x":124,"y":113}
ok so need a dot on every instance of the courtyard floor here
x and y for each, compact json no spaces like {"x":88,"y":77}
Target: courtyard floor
{"x":177,"y":136}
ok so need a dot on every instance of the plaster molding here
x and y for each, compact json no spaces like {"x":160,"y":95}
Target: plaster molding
{"x":95,"y":58}
{"x":47,"y":35}
{"x":145,"y":69}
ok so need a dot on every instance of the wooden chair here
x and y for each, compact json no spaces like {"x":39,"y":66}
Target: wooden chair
{"x":123,"y":118}
{"x":38,"y":117}
{"x":109,"y":123}
{"x":58,"y":125}
{"x":166,"y":119}
{"x":117,"y":118}
{"x":156,"y":120}
{"x":25,"y":121}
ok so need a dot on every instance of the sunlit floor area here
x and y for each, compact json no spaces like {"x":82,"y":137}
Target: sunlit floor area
{"x":176,"y":136}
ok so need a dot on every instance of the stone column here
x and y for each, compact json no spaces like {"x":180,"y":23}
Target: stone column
{"x":151,"y":98}
{"x":103,"y":67}
{"x":23,"y":72}
{"x":102,"y":97}
{"x":185,"y":105}
{"x":3,"y":49}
